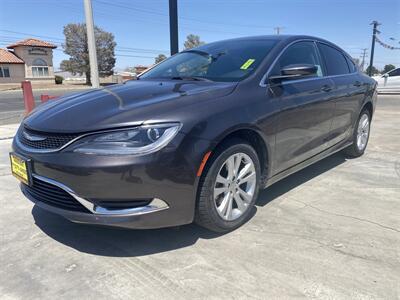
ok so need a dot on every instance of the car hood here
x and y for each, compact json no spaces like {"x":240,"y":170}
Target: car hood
{"x":129,"y":104}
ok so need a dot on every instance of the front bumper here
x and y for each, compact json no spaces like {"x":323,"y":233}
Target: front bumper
{"x":143,"y":217}
{"x":167,"y":178}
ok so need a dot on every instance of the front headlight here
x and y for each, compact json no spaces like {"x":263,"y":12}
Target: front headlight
{"x":135,"y":141}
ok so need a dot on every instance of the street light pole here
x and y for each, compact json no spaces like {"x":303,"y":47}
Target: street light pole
{"x":374,"y":32}
{"x":173,"y":26}
{"x":94,"y":71}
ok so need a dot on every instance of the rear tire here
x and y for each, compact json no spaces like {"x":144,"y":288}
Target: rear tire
{"x":360,"y":135}
{"x":228,"y":187}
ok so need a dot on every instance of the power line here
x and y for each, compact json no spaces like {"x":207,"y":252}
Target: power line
{"x":196,"y":29}
{"x":13,"y":39}
{"x":184,"y":26}
{"x":122,"y":55}
{"x":5,"y":43}
{"x":31,"y":34}
{"x":160,"y":13}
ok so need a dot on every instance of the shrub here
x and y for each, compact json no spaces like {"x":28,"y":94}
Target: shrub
{"x":59,"y":79}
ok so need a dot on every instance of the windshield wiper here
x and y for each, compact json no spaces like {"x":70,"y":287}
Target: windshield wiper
{"x":199,"y":52}
{"x":194,"y":78}
{"x":204,"y":53}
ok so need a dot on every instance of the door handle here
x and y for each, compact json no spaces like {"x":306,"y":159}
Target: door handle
{"x":357,"y":84}
{"x":326,"y":88}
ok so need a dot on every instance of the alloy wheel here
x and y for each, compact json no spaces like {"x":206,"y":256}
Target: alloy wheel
{"x":363,"y":132}
{"x":235,"y":186}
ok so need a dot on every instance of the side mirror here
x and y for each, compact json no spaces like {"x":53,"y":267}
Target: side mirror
{"x":297,"y":71}
{"x":385,"y":75}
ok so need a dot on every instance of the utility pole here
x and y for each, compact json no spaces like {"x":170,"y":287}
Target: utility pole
{"x":374,"y":32}
{"x":94,"y":71}
{"x":363,"y":55}
{"x":173,"y":26}
{"x":278,"y":29}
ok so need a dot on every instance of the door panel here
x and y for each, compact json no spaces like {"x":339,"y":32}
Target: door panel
{"x":348,"y":94}
{"x":306,"y":108}
{"x":304,"y":121}
{"x":348,"y":91}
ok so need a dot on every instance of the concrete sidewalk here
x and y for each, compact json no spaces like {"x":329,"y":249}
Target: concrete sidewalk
{"x":330,"y":231}
{"x":8,"y":131}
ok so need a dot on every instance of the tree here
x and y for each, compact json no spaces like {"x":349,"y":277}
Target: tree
{"x":192,"y":41}
{"x":76,"y":47}
{"x":130,"y":69}
{"x":374,"y":70}
{"x":159,"y":58}
{"x":388,"y":68}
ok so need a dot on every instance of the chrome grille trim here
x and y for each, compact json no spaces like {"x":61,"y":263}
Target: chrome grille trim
{"x":24,"y":143}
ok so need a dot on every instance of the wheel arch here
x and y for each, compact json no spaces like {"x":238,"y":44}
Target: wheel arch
{"x":254,"y":138}
{"x":368,"y":106}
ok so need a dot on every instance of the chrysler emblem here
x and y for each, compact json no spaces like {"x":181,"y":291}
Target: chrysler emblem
{"x":32,"y":137}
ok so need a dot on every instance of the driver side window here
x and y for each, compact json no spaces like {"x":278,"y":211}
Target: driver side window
{"x":299,"y":53}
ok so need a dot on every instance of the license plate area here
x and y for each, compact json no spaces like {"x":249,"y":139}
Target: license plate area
{"x":20,"y":168}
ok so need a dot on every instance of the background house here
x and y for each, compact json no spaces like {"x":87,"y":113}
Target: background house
{"x":12,"y":68}
{"x":29,"y":59}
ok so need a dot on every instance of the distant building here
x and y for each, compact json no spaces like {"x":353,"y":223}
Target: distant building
{"x":140,"y":69}
{"x":125,"y":75}
{"x":29,"y":59}
{"x":69,"y":77}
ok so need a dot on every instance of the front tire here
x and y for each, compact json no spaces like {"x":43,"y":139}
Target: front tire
{"x":360,"y":135}
{"x":229,"y":187}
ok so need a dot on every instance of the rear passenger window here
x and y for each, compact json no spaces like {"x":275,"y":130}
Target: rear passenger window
{"x":334,"y":60}
{"x":352,"y":65}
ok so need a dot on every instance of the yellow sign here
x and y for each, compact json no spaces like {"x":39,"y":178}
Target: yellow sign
{"x":19,"y":169}
{"x":247,"y":64}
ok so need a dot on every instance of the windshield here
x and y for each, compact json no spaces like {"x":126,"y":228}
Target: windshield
{"x":220,"y":61}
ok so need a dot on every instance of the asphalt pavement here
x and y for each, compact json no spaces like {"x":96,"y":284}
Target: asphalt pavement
{"x":12,"y":102}
{"x":330,"y":231}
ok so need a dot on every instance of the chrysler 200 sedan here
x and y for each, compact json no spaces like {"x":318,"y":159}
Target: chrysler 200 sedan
{"x":197,"y":136}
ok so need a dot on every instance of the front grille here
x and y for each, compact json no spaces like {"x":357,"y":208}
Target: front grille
{"x":51,"y":141}
{"x":53,"y":195}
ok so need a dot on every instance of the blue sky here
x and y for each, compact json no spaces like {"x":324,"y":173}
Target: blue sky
{"x":141,"y":26}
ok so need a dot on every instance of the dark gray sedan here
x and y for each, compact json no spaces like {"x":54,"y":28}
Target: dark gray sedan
{"x":197,"y":136}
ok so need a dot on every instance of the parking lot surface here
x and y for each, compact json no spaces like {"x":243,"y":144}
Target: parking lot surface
{"x":331,"y":231}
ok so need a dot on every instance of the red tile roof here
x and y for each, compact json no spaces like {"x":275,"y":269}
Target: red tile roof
{"x":32,"y":42}
{"x":8,"y":57}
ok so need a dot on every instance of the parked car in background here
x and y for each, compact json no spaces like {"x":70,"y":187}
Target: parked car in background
{"x":389,"y":82}
{"x":197,"y":136}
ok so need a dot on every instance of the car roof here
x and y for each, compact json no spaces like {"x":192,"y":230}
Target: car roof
{"x":288,"y":38}
{"x":278,"y":37}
